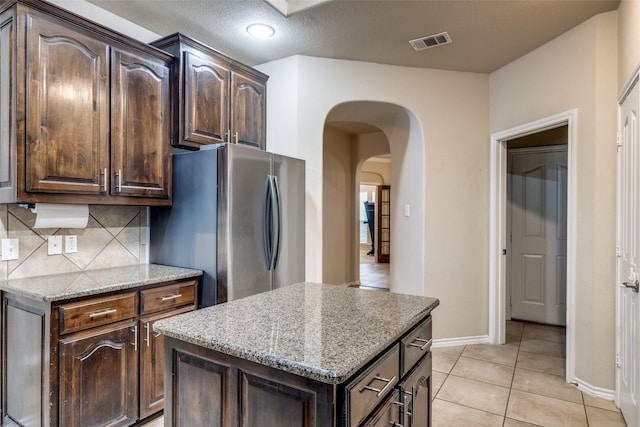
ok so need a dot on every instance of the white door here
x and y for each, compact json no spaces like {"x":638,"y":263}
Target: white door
{"x":538,"y":217}
{"x":628,"y":248}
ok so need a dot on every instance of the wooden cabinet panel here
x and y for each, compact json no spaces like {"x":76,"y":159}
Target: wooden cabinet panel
{"x":168,"y":297}
{"x":206,"y":100}
{"x":387,"y":415}
{"x":8,"y":161}
{"x":26,"y":407}
{"x":67,"y":126}
{"x":416,"y":395}
{"x":141,"y":118}
{"x":269,"y":403}
{"x":99,"y":377}
{"x":248,"y":111}
{"x":96,"y":312}
{"x":152,"y":364}
{"x":221,"y":100}
{"x":203,"y":393}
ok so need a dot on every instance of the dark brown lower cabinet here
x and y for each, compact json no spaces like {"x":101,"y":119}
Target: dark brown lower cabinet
{"x":152,"y":364}
{"x":99,"y":376}
{"x":416,"y":395}
{"x":90,"y":361}
{"x":207,"y":388}
{"x":388,"y":414}
{"x":212,"y":389}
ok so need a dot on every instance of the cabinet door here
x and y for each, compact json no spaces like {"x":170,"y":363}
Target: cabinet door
{"x":416,"y":395}
{"x":248,"y":111}
{"x":206,"y":100}
{"x":152,"y":364}
{"x":140,"y":125}
{"x":99,"y":377}
{"x":8,"y":162}
{"x":67,"y":110}
{"x":387,"y":415}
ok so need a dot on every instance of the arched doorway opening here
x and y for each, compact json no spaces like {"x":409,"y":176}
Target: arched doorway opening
{"x":367,"y":143}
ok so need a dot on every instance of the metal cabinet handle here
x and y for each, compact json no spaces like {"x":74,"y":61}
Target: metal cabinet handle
{"x":146,"y":326}
{"x":633,"y":285}
{"x":119,"y":181}
{"x":170,"y":297}
{"x":427,"y":343}
{"x":135,"y":337}
{"x":105,"y":312}
{"x":236,"y":137}
{"x":382,"y":391}
{"x":104,"y":180}
{"x":227,"y":135}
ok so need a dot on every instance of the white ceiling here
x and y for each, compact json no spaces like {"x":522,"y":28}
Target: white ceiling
{"x":487,"y":34}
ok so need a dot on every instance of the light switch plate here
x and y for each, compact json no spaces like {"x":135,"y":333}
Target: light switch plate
{"x":10,"y":249}
{"x":55,"y":245}
{"x":70,"y":244}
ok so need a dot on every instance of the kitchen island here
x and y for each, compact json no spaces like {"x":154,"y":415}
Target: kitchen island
{"x":304,"y":355}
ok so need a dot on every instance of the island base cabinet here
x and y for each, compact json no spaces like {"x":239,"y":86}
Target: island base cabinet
{"x":416,"y":395}
{"x":207,"y":388}
{"x":99,"y":377}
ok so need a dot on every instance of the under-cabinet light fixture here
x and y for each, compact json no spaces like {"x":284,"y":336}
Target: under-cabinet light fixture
{"x":261,"y":31}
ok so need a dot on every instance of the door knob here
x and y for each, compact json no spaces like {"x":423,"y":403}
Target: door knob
{"x":634,"y":285}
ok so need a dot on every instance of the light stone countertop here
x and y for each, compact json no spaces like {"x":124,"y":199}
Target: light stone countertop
{"x":64,"y":286}
{"x":322,"y":332}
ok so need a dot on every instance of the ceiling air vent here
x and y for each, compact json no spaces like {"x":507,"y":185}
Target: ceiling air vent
{"x":430,"y":41}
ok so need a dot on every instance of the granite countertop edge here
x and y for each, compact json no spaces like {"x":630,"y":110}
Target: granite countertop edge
{"x":330,"y":376}
{"x":95,"y":282}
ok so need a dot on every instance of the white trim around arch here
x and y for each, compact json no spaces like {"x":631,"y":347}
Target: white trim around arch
{"x":497,"y":227}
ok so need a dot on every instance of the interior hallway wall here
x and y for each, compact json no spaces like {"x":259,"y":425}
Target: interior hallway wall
{"x":438,"y":138}
{"x":578,"y":70}
{"x":338,"y":207}
{"x":628,"y":40}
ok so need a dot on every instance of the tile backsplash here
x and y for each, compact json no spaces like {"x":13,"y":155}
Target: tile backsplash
{"x":115,"y":236}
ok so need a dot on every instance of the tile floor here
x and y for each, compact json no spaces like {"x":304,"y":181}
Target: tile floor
{"x":517,"y":384}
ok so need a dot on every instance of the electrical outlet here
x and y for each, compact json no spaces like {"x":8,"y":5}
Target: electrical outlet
{"x":10,"y":249}
{"x":54,"y":245}
{"x":70,"y":244}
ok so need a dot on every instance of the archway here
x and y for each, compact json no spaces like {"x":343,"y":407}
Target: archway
{"x":354,"y":132}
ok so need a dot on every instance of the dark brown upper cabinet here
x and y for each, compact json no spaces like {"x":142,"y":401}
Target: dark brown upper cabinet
{"x":88,"y":111}
{"x":219,"y":99}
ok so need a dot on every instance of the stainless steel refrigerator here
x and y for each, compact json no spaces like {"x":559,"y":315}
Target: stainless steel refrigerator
{"x":238,"y":215}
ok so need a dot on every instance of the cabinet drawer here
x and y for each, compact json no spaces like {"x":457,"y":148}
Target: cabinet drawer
{"x":370,"y":388}
{"x":169,"y":296}
{"x":95,"y":312}
{"x":415,"y":345}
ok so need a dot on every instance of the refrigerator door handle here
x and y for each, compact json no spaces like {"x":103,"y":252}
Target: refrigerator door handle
{"x":278,"y":222}
{"x":266,"y":223}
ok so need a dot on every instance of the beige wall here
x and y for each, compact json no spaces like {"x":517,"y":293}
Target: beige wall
{"x":338,"y":207}
{"x":628,"y":40}
{"x":344,"y":155}
{"x":436,"y":123}
{"x":578,"y":70}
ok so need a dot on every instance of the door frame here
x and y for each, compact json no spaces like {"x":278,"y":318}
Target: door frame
{"x":498,"y":226}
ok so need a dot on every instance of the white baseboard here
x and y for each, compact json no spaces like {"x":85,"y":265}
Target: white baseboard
{"x":452,"y":342}
{"x":600,"y":392}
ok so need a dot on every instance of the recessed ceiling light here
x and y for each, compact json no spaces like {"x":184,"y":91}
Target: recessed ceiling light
{"x":261,"y":31}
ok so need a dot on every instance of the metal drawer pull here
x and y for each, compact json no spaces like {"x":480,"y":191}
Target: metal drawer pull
{"x":382,"y":391}
{"x":106,"y":312}
{"x":170,"y":297}
{"x":427,"y":343}
{"x":119,"y":181}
